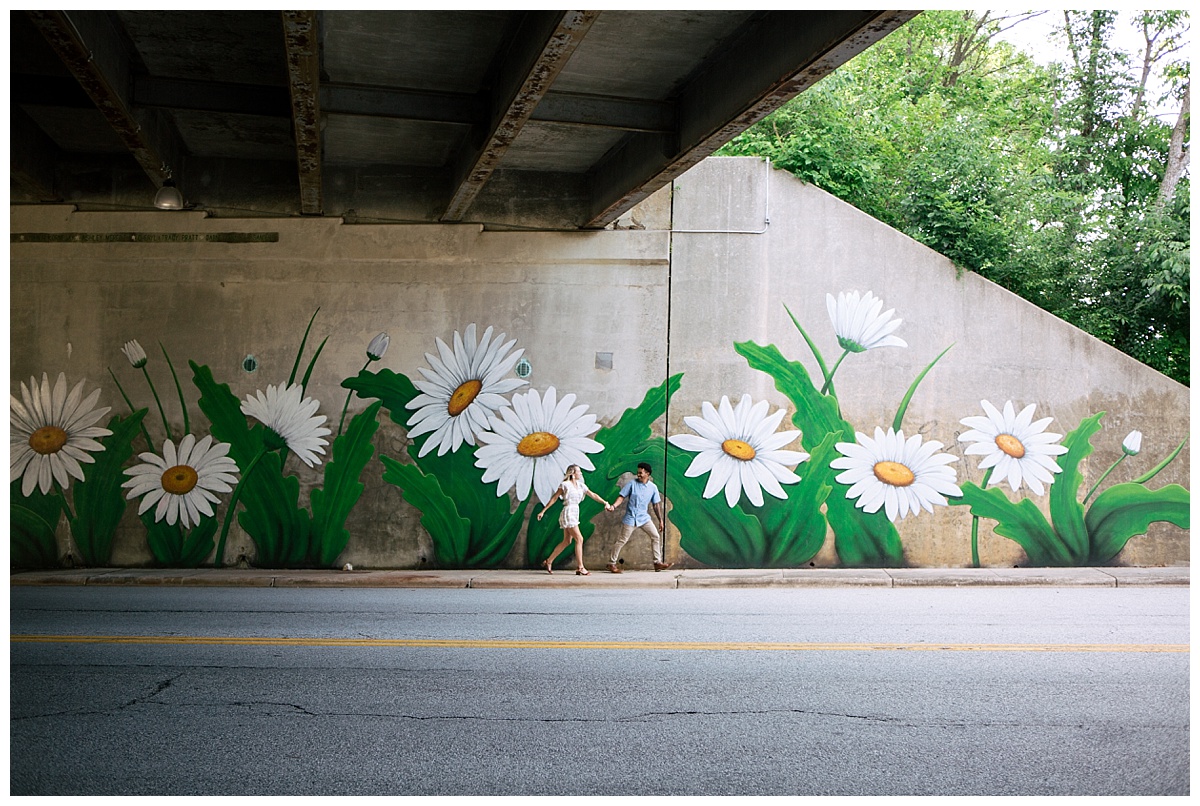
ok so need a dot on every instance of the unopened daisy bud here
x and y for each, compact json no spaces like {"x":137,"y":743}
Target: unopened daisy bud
{"x":134,"y":352}
{"x":1132,"y":444}
{"x":378,"y":347}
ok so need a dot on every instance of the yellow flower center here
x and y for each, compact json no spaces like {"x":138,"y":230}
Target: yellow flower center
{"x":463,"y":396}
{"x":1010,"y":445}
{"x":539,"y":443}
{"x":179,"y":480}
{"x":738,"y":449}
{"x":48,"y":439}
{"x":894,"y":473}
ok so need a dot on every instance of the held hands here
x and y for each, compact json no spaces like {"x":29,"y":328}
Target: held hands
{"x":608,"y":507}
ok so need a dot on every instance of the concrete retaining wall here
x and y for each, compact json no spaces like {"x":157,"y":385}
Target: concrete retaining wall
{"x":604,"y":315}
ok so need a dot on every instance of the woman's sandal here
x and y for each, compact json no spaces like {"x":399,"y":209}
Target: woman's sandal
{"x":582,"y":572}
{"x":546,"y":565}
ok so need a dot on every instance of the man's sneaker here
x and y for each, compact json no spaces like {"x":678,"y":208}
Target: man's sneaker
{"x":614,"y":568}
{"x":662,"y":566}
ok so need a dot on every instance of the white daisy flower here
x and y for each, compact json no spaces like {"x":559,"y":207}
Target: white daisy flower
{"x":134,"y":352}
{"x":901,"y":475}
{"x":183,"y":483}
{"x":50,"y":433}
{"x":533,"y":441}
{"x":1017,"y":448}
{"x":378,"y":347}
{"x":740,"y":450}
{"x":462,"y":390}
{"x":291,"y":420}
{"x":858,"y":323}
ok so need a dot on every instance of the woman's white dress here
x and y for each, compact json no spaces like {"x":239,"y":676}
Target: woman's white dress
{"x":573,"y":493}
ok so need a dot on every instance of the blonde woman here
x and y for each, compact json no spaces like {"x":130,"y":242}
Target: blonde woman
{"x":571,"y":491}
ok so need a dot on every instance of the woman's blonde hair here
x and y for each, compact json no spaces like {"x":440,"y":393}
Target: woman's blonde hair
{"x":567,"y":474}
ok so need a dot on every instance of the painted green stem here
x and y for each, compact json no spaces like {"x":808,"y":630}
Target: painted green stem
{"x":832,"y":372}
{"x":129,"y":403}
{"x":219,"y":559}
{"x":1103,"y":477}
{"x":346,"y":405}
{"x":158,"y":402}
{"x":975,"y":523}
{"x":187,"y":426}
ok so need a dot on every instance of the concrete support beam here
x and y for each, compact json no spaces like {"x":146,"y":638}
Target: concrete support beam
{"x":543,"y":45}
{"x":303,"y":55}
{"x":90,"y":48}
{"x":783,"y":54}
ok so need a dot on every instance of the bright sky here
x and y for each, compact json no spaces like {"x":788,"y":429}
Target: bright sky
{"x":1034,"y":37}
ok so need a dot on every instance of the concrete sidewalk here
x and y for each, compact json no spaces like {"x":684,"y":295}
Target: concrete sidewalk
{"x":602,"y":580}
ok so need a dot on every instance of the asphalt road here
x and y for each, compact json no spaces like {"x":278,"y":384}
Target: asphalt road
{"x":931,"y":691}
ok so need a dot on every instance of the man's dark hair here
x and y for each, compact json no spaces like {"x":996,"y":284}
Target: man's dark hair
{"x":646,"y":466}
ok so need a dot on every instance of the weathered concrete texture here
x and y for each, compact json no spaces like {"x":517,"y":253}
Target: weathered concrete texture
{"x":591,"y":311}
{"x":732,"y":286}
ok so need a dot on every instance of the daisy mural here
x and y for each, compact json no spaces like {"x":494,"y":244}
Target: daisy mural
{"x":740,"y":450}
{"x":1014,"y":447}
{"x":182,"y":485}
{"x":901,"y":475}
{"x":491,"y":449}
{"x":873,"y":490}
{"x":52,"y":433}
{"x":291,"y":420}
{"x":532,"y":442}
{"x":1021,"y":452}
{"x":462,"y":389}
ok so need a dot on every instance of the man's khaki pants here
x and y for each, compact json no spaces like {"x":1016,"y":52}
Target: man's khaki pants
{"x":649,"y":528}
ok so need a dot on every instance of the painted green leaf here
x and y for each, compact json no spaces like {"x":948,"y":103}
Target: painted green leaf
{"x":1065,"y":510}
{"x":392,"y":388}
{"x":32,"y":522}
{"x":488,"y":551}
{"x":795,"y":528}
{"x":493,"y":525}
{"x":709,"y":530}
{"x":451,"y":532}
{"x":1124,"y":511}
{"x":487,"y":513}
{"x":898,"y":421}
{"x":621,"y":439}
{"x":175,"y":547}
{"x":99,"y":500}
{"x":862,"y":539}
{"x":271,"y":516}
{"x":1022,"y":523}
{"x":331,"y":504}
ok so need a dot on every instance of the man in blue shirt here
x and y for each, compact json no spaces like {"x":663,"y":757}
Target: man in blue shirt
{"x":641,"y":494}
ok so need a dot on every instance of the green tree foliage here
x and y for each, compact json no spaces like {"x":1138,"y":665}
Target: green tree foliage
{"x":1053,"y":181}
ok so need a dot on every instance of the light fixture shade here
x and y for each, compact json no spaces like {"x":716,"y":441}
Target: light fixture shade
{"x":168,"y":197}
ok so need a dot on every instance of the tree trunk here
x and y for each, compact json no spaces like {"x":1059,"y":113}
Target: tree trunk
{"x":1177,"y":154}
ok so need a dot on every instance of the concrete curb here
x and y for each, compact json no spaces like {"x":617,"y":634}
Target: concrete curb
{"x":602,"y":580}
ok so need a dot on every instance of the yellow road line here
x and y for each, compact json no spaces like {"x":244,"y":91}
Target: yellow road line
{"x":201,"y":640}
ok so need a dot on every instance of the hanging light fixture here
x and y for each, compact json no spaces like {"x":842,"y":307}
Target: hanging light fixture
{"x":168,"y":196}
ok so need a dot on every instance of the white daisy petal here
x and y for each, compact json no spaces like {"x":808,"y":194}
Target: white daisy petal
{"x":858,"y":323}
{"x":467,"y":380}
{"x":183,"y":480}
{"x":740,"y":450}
{"x":289,"y":416}
{"x":532,"y":441}
{"x":51,"y":433}
{"x":1017,"y":448}
{"x":901,"y":475}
